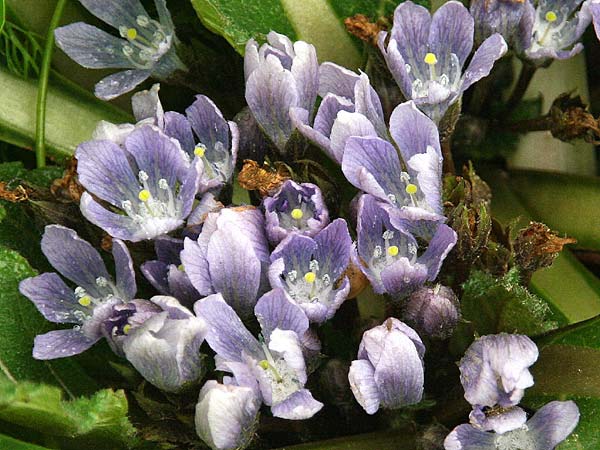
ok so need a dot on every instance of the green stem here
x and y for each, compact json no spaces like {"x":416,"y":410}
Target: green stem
{"x":40,"y":130}
{"x":527,"y":73}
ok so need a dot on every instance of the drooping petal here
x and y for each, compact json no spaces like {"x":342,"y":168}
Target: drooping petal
{"x":226,"y":334}
{"x":52,"y":297}
{"x":362,"y":382}
{"x":61,"y":344}
{"x":491,"y":50}
{"x":74,"y":258}
{"x":300,"y":405}
{"x":119,"y":83}
{"x":91,"y":47}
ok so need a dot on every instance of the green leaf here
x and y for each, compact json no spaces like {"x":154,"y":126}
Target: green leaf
{"x":566,"y":203}
{"x":380,"y":441}
{"x":9,"y":443}
{"x":71,"y":116}
{"x":20,"y":322}
{"x":570,"y":289}
{"x":319,"y":22}
{"x":568,"y":369}
{"x":101,"y":418}
{"x":2,"y":14}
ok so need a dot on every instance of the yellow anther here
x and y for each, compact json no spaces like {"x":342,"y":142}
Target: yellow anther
{"x":144,"y":195}
{"x":551,"y":16}
{"x":126,"y":329}
{"x":264,"y":364}
{"x":85,"y":300}
{"x":131,"y":33}
{"x":430,"y":59}
{"x":297,"y":214}
{"x":199,"y":150}
{"x":310,"y":277}
{"x":411,"y":189}
{"x":393,"y":250}
{"x":181,"y":268}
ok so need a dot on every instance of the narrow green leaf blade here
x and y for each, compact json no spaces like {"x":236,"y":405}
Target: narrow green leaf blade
{"x":9,"y":443}
{"x":71,"y":114}
{"x":2,"y":14}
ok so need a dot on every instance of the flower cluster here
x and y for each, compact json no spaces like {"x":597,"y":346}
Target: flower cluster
{"x":256,"y":283}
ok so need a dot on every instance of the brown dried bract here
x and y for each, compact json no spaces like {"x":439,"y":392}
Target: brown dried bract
{"x":358,"y":280}
{"x":361,"y":27}
{"x":266,"y":179}
{"x":537,"y":246}
{"x":18,"y":194}
{"x":67,"y":188}
{"x":106,"y":243}
{"x":571,"y":120}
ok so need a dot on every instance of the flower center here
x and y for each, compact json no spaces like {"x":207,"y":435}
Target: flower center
{"x":146,"y":44}
{"x":387,"y":254}
{"x":158,"y":203}
{"x":312,"y":287}
{"x":282,"y":379}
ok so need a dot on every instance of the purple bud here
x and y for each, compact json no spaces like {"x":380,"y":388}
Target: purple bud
{"x":495,"y":369}
{"x":389,"y":372}
{"x":434,"y":312}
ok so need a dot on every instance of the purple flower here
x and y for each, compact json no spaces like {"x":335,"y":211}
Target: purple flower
{"x":166,"y":273}
{"x":544,"y":431}
{"x":373,"y":165}
{"x":595,"y":11}
{"x":146,"y":47}
{"x":389,"y":371}
{"x":551,"y":30}
{"x":147,"y":182}
{"x":295,"y":208}
{"x":497,"y":16}
{"x":89,"y":304}
{"x":273,"y":367}
{"x":209,"y":140}
{"x":162,"y":340}
{"x":433,"y":311}
{"x":426,"y":55}
{"x":230,"y":256}
{"x":497,"y":419}
{"x":495,"y":369}
{"x":226,"y":415}
{"x":308,"y":270}
{"x":388,"y":256}
{"x":279,"y":76}
{"x":350,"y":107}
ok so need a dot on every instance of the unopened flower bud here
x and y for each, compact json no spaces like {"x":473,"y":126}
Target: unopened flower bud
{"x":434,"y":312}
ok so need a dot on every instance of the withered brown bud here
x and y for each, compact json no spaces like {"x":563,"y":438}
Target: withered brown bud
{"x":15,"y":195}
{"x":266,"y":179}
{"x":360,"y":26}
{"x":570,"y":119}
{"x":67,"y":189}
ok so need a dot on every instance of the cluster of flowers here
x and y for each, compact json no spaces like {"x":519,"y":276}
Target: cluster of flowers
{"x":283,"y":265}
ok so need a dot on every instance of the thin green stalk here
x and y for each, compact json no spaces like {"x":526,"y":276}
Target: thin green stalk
{"x":40,"y":130}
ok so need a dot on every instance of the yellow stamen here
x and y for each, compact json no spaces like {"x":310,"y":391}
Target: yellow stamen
{"x":430,"y":59}
{"x":551,"y":16}
{"x":199,"y":150}
{"x":297,"y":213}
{"x":126,"y":329}
{"x":131,"y":33}
{"x":411,"y":189}
{"x":393,"y":250}
{"x":144,"y":195}
{"x":181,"y":268}
{"x":310,"y":277}
{"x":264,"y":364}
{"x":85,"y":300}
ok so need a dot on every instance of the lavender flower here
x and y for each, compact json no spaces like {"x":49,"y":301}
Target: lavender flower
{"x":226,"y":415}
{"x":161,"y":342}
{"x":89,"y":304}
{"x":147,"y":182}
{"x":295,"y":208}
{"x":372,"y":165}
{"x":279,"y":76}
{"x":544,"y":431}
{"x":551,"y":30}
{"x":273,"y":367}
{"x":389,"y":372}
{"x":350,"y":107}
{"x":595,"y":11}
{"x":309,"y":269}
{"x":495,"y":369}
{"x":497,"y":16}
{"x":166,"y":273}
{"x":433,"y":311}
{"x":146,"y":47}
{"x":426,"y":55}
{"x":230,"y":256}
{"x":387,"y":254}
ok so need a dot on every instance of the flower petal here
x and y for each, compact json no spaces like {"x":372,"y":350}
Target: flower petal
{"x":116,"y":12}
{"x":467,"y":437}
{"x":119,"y":83}
{"x":275,"y":310}
{"x":491,"y":50}
{"x":61,"y":344}
{"x":362,"y":383}
{"x":298,"y":406}
{"x":124,"y":270}
{"x":452,"y":29}
{"x":334,"y":245}
{"x":346,"y":125}
{"x":553,"y":423}
{"x":52,"y":297}
{"x":338,"y":80}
